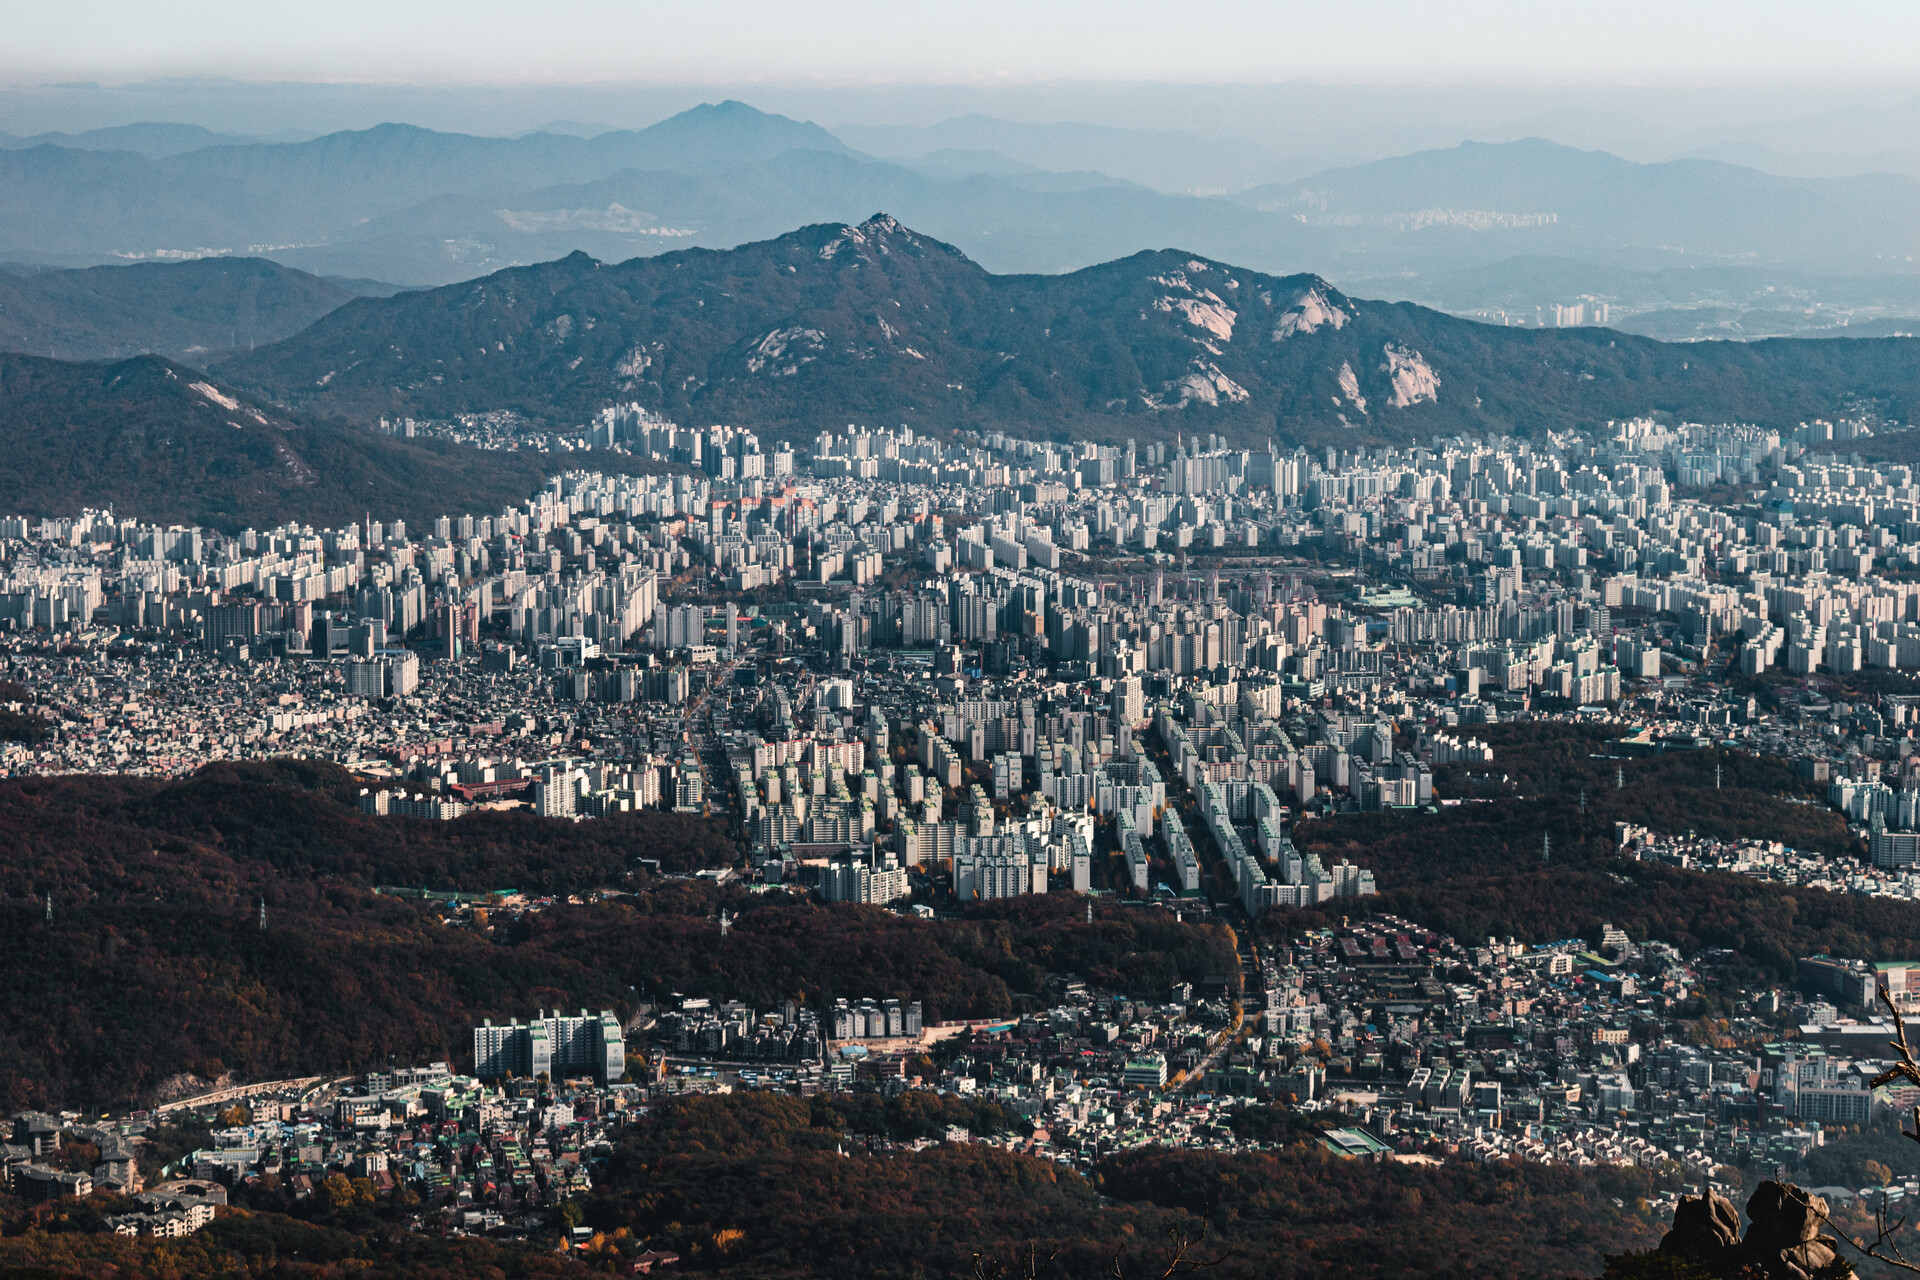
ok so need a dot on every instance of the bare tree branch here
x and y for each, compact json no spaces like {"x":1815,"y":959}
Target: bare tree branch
{"x":1904,"y":1069}
{"x":1178,"y":1263}
{"x":1883,"y":1247}
{"x":1031,"y":1267}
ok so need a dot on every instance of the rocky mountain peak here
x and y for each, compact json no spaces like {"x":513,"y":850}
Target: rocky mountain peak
{"x":882,"y":233}
{"x":878,"y":321}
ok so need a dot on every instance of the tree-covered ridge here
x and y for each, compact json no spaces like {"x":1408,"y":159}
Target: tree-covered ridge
{"x":1519,"y":858}
{"x":342,"y":978}
{"x":166,"y":443}
{"x":967,"y":968}
{"x":877,"y":323}
{"x":154,"y":963}
{"x":185,"y":310}
{"x":156,"y":886}
{"x":237,"y":830}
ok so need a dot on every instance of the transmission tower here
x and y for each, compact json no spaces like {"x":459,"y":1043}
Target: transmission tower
{"x":49,"y":906}
{"x":1716,"y":775}
{"x":1619,"y":777}
{"x":1583,"y":802}
{"x":263,"y":915}
{"x":1546,"y":847}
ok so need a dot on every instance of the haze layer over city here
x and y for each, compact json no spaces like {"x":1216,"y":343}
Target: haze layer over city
{"x":1049,"y":640}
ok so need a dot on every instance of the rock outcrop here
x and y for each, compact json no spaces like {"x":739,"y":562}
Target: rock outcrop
{"x":1783,"y":1240}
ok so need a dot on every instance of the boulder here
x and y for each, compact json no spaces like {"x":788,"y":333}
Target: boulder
{"x":1783,"y":1240}
{"x":1785,"y":1213}
{"x":1703,"y":1228}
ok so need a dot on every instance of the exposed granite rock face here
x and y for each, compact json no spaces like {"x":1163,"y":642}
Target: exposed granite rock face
{"x":1783,"y":1240}
{"x":1704,"y":1227}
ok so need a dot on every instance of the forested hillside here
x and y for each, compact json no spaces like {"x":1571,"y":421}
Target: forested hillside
{"x":165,"y":443}
{"x":184,"y":310}
{"x":156,"y":890}
{"x":877,"y":323}
{"x":1519,"y":858}
{"x":155,"y":944}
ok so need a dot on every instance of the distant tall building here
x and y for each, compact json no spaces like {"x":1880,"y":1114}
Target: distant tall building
{"x":1129,"y":701}
{"x":851,"y":879}
{"x":231,"y":622}
{"x":395,"y":673}
{"x":556,"y":795}
{"x":551,"y":1044}
{"x":686,"y":625}
{"x":366,"y":678}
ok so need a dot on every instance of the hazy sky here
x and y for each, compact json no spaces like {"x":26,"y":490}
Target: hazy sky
{"x":1531,"y":43}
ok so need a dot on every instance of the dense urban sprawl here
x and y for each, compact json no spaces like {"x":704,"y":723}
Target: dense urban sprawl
{"x":923,"y":674}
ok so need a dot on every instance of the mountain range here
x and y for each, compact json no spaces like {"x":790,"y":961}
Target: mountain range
{"x":1676,"y":303}
{"x":1589,"y":200}
{"x":165,"y":443}
{"x":153,"y":139}
{"x":416,"y":206}
{"x":875,"y":322}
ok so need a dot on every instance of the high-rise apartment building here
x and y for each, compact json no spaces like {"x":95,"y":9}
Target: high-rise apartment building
{"x":552,"y":1044}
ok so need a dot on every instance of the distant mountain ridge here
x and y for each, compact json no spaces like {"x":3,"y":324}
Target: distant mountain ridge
{"x":416,"y":206}
{"x":151,"y":139}
{"x":229,"y":198}
{"x":875,"y":322}
{"x":1591,"y":200}
{"x":184,"y":310}
{"x":163,"y":443}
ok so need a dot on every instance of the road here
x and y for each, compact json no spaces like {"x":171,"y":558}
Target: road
{"x":697,"y":737}
{"x":308,"y":1084}
{"x":1227,"y":1038}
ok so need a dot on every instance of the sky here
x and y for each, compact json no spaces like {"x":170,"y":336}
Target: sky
{"x":983,"y":43}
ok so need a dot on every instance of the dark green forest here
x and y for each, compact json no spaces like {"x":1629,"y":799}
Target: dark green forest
{"x":1754,"y":797}
{"x":184,"y":309}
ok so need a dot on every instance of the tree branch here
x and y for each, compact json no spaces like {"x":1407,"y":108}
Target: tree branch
{"x":1031,"y":1267}
{"x":1178,"y":1263}
{"x":1882,"y":1249}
